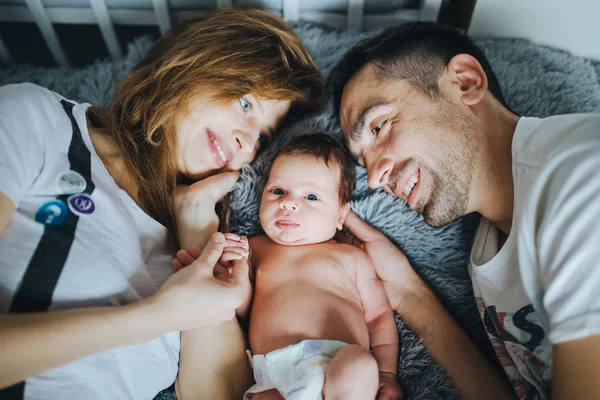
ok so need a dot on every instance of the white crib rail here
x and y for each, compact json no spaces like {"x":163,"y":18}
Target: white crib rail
{"x":43,"y":22}
{"x":161,"y":15}
{"x":106,"y":27}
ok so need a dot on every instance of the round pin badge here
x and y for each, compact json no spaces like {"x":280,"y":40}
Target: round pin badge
{"x":70,"y":182}
{"x":81,"y":204}
{"x":52,"y":213}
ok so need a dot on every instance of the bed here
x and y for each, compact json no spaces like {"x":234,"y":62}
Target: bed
{"x":536,"y":80}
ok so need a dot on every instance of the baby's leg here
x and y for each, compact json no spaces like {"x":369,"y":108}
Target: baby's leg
{"x":272,"y":394}
{"x":352,"y":374}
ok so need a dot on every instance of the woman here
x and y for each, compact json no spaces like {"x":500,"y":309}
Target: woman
{"x":89,"y":214}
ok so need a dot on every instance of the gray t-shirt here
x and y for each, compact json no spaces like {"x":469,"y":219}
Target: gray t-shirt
{"x":541,"y":288}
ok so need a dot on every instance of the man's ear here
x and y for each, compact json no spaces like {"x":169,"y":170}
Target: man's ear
{"x":343,"y":214}
{"x":466,"y":79}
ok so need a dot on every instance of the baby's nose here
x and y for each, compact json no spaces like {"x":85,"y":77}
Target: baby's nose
{"x":288,"y":204}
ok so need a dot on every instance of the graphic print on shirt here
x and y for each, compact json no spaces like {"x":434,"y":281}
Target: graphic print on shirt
{"x":522,"y":348}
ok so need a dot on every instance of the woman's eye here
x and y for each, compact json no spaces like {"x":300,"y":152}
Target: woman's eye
{"x":277,"y":191}
{"x":377,"y":128}
{"x":246,"y":105}
{"x":312,"y":197}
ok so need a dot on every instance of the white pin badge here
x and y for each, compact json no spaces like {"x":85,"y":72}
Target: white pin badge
{"x":70,"y":182}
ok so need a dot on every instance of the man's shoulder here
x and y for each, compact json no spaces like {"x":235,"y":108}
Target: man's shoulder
{"x":538,"y":141}
{"x":566,"y":186}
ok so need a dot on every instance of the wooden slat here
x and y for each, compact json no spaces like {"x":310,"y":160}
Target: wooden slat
{"x":291,"y":10}
{"x":370,"y":21}
{"x":123,"y":16}
{"x":430,"y":10}
{"x":43,"y":22}
{"x":5,"y":54}
{"x":100,"y":10}
{"x":163,"y":15}
{"x":224,"y":3}
{"x":355,"y":14}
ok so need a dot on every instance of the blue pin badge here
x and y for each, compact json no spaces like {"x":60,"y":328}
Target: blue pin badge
{"x":52,"y":213}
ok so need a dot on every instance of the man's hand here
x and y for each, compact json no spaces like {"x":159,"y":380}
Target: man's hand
{"x":391,"y":265}
{"x":389,"y":388}
{"x":195,"y":207}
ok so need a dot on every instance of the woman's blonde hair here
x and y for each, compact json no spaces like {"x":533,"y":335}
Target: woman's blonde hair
{"x":221,"y":57}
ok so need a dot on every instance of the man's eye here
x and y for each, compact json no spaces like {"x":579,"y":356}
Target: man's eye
{"x":377,"y":128}
{"x":277,"y":191}
{"x":312,"y":197}
{"x":246,"y":105}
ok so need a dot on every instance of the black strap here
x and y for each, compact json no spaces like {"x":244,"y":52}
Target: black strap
{"x":35,"y":291}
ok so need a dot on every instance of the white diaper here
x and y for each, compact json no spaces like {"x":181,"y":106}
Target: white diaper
{"x":296,"y":371}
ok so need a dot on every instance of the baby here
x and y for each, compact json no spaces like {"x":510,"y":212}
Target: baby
{"x":318,"y":305}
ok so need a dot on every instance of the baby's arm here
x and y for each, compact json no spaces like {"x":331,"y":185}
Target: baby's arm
{"x":383,"y":333}
{"x":236,"y":248}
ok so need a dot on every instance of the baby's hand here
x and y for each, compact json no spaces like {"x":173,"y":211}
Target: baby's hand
{"x":389,"y":388}
{"x":236,"y":248}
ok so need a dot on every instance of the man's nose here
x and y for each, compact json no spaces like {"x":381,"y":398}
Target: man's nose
{"x":288,"y":204}
{"x":378,"y":173}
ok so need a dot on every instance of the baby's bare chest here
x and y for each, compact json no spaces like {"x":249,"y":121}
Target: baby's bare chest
{"x":318,"y":267}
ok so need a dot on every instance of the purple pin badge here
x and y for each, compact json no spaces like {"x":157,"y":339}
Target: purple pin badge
{"x":81,"y":204}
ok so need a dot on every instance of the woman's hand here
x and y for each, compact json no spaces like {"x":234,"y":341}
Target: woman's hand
{"x":193,"y":297}
{"x":236,"y":250}
{"x":195,"y":208}
{"x":398,"y":277}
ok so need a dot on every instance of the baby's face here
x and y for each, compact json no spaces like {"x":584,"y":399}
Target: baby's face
{"x":300,"y":203}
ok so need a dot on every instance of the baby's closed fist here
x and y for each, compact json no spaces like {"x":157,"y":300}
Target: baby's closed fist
{"x":236,"y":248}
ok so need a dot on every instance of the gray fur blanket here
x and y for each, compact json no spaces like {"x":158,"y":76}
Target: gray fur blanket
{"x":537,"y":81}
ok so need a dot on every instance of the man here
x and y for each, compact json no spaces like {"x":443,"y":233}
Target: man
{"x":421,"y":108}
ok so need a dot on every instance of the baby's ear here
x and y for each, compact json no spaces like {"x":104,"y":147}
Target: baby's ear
{"x":343,"y":214}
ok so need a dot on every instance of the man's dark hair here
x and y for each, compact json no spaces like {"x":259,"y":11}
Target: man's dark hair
{"x":416,"y":52}
{"x":329,"y":150}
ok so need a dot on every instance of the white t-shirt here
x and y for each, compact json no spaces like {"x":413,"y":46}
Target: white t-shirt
{"x":76,"y":240}
{"x":542,"y":287}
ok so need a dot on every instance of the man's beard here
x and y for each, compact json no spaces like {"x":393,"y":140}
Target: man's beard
{"x":448,"y":202}
{"x":453,"y":162}
{"x":456,"y":154}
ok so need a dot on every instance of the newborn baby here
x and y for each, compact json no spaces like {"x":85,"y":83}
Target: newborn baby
{"x":318,"y":305}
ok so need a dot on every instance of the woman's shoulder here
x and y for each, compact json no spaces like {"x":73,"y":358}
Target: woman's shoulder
{"x":24,"y":90}
{"x":26,"y":107}
{"x":27,"y":97}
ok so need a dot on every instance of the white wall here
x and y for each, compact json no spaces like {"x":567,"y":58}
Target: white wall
{"x":572,"y":25}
